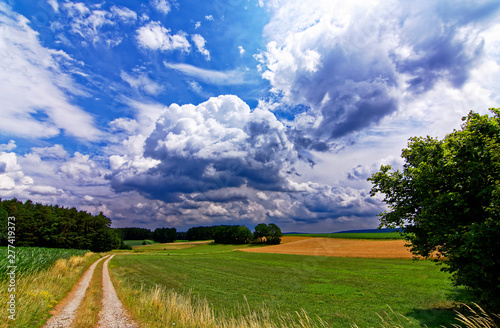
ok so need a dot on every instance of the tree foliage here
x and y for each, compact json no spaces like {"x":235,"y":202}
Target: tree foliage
{"x":232,"y":234}
{"x":201,"y":233}
{"x":165,"y":235}
{"x":447,"y":200}
{"x":57,"y":227}
{"x":267,"y":233}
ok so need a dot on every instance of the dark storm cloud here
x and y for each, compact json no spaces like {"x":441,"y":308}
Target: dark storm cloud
{"x":215,"y":145}
{"x":348,"y":85}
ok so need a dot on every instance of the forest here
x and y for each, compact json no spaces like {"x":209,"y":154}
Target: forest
{"x":56,"y":226}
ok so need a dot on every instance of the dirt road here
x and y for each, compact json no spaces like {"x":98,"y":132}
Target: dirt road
{"x":112,"y":314}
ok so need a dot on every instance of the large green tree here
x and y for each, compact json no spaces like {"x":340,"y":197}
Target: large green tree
{"x":447,"y":201}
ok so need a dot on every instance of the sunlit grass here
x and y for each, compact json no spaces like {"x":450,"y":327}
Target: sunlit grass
{"x":341,"y":291}
{"x":37,"y":292}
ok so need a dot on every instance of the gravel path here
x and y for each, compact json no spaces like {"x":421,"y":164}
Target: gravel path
{"x":67,"y":314}
{"x":112,"y":314}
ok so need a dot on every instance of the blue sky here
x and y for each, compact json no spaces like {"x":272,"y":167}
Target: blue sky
{"x":186,"y":113}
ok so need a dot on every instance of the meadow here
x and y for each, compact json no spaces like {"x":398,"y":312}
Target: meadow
{"x":340,"y":291}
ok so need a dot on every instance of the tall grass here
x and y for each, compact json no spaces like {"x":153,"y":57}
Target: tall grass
{"x":476,"y":318}
{"x":38,"y":291}
{"x":160,"y":307}
{"x":35,"y":259}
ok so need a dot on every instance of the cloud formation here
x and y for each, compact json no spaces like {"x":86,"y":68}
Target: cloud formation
{"x":34,"y":88}
{"x":218,"y":144}
{"x":156,"y":37}
{"x":349,"y":66}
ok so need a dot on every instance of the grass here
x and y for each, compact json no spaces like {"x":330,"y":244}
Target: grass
{"x":35,"y":259}
{"x":341,"y":291}
{"x":353,"y":235}
{"x":38,"y":291}
{"x":88,"y":312}
{"x":140,"y":242}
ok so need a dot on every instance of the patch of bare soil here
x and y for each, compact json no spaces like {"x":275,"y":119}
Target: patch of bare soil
{"x":338,"y":247}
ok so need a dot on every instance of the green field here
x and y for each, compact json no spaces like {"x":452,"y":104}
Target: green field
{"x":342,"y":291}
{"x":139,"y":242}
{"x":353,"y":235}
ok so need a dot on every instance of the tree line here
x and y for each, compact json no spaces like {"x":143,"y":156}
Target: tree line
{"x":161,"y":235}
{"x":56,"y":226}
{"x":236,"y":234}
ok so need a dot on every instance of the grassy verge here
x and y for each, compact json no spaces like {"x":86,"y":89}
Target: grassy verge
{"x":342,"y":291}
{"x":36,"y":293}
{"x":88,"y":312}
{"x":353,"y":235}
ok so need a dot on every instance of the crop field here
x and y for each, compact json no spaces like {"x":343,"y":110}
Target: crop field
{"x":353,"y":235}
{"x":339,"y":247}
{"x":34,"y":259}
{"x":340,"y":290}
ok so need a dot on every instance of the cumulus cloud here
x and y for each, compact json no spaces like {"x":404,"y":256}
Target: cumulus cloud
{"x":9,"y":146}
{"x":162,"y":6}
{"x":156,"y":37}
{"x":199,"y":41}
{"x":350,"y":66}
{"x":34,"y":88}
{"x":218,"y":144}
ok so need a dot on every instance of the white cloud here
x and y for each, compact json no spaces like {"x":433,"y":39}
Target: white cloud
{"x":209,"y":18}
{"x":162,"y":6}
{"x":241,"y":49}
{"x":197,"y":25}
{"x":199,"y":41}
{"x":217,"y":144}
{"x":156,"y":37}
{"x":210,"y":76}
{"x":33,"y":85}
{"x":9,"y":146}
{"x":124,"y":13}
{"x":142,"y":82}
{"x":351,"y":66}
{"x":54,"y":5}
{"x":82,"y":169}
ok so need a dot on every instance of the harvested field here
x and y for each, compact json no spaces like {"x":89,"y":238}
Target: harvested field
{"x":338,"y":247}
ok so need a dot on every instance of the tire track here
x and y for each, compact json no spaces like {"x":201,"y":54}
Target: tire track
{"x":67,"y":314}
{"x":113,"y":314}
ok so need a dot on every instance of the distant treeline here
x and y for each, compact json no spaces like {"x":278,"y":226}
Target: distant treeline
{"x":55,"y":226}
{"x":236,"y":234}
{"x":161,"y":235}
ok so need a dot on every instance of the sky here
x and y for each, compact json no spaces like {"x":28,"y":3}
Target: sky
{"x":182,"y":113}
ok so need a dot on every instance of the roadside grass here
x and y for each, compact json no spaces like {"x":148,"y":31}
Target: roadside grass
{"x":341,"y":291}
{"x":353,"y":235}
{"x":37,"y":292}
{"x":88,"y":312}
